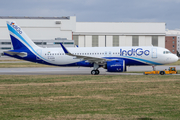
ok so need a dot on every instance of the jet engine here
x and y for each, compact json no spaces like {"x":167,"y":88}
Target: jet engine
{"x":115,"y":66}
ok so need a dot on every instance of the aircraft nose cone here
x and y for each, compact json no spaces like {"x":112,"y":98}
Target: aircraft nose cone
{"x":175,"y":58}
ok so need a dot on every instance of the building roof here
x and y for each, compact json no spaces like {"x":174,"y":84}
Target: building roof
{"x":173,"y":32}
{"x":119,"y":28}
{"x":26,"y":17}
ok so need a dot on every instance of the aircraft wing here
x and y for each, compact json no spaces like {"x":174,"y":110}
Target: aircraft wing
{"x":97,"y":60}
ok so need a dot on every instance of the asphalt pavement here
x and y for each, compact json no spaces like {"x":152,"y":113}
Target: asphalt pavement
{"x":75,"y":70}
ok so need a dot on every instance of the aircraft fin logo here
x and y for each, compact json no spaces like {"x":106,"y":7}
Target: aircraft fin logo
{"x":18,"y":29}
{"x":12,"y":23}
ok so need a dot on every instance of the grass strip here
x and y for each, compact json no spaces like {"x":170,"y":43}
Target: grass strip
{"x":89,"y":97}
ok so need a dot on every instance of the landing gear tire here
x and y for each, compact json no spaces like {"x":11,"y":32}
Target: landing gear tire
{"x":97,"y":72}
{"x":94,"y":72}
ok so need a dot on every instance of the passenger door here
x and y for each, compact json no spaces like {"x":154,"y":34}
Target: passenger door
{"x":154,"y":52}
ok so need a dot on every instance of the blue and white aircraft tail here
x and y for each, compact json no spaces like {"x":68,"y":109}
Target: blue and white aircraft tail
{"x":114,"y":59}
{"x":22,"y":44}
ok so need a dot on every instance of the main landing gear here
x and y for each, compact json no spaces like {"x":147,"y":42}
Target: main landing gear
{"x":95,"y":70}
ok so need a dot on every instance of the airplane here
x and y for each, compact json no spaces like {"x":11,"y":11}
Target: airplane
{"x":114,"y":59}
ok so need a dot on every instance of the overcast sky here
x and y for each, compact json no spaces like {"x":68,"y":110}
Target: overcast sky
{"x":167,"y":11}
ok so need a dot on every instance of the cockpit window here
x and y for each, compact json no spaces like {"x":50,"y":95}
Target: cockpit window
{"x":166,"y":52}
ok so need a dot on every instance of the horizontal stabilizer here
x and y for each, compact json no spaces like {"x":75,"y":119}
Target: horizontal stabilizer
{"x":21,"y":54}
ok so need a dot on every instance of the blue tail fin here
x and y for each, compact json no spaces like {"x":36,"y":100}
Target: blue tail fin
{"x":18,"y":37}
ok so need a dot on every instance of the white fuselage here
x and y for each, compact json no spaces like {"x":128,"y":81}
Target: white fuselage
{"x":145,"y":55}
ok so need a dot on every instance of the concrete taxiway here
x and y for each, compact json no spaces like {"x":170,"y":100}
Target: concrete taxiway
{"x":74,"y":70}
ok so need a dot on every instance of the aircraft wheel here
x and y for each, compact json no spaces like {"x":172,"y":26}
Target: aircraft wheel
{"x":93,"y":72}
{"x":97,"y":72}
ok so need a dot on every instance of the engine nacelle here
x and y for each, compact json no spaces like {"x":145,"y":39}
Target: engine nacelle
{"x":116,"y":66}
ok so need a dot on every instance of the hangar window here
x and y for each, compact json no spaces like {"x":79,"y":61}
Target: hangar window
{"x":40,"y":43}
{"x":95,"y":41}
{"x":115,"y":40}
{"x":76,"y":39}
{"x":6,"y":48}
{"x":68,"y":43}
{"x":58,"y":42}
{"x":135,"y":40}
{"x":155,"y":40}
{"x":6,"y":43}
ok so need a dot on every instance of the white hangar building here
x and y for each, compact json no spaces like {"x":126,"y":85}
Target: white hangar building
{"x":108,"y":34}
{"x":50,"y":31}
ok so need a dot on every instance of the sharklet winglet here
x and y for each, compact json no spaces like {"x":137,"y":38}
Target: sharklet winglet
{"x":64,"y":49}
